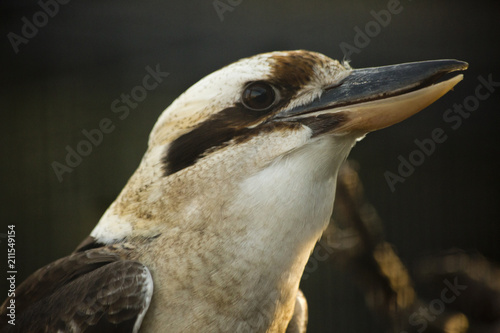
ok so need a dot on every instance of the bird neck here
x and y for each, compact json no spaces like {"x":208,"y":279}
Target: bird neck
{"x":248,"y":228}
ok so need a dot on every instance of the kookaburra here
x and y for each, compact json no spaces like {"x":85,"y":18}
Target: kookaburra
{"x":214,"y":229}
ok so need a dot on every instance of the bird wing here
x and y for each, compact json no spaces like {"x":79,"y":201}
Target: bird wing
{"x":91,"y":291}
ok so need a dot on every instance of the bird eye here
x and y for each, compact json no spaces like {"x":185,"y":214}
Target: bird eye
{"x":259,"y":96}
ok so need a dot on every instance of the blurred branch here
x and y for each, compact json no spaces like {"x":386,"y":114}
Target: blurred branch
{"x":373,"y":262}
{"x":464,"y":291}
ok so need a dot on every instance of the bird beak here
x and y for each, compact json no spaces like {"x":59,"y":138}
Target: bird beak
{"x":369,"y":99}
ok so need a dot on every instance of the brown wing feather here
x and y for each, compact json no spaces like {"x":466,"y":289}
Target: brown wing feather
{"x":91,"y":291}
{"x":47,"y":279}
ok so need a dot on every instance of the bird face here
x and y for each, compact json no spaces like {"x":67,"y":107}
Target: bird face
{"x":293,"y":91}
{"x":259,"y":142}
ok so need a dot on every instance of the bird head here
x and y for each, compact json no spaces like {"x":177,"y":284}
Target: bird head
{"x":257,"y":144}
{"x":239,"y":178}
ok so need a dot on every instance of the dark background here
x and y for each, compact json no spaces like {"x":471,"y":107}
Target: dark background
{"x":65,"y":78}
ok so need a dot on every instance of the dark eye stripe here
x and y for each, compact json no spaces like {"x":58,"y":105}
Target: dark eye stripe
{"x":212,"y":133}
